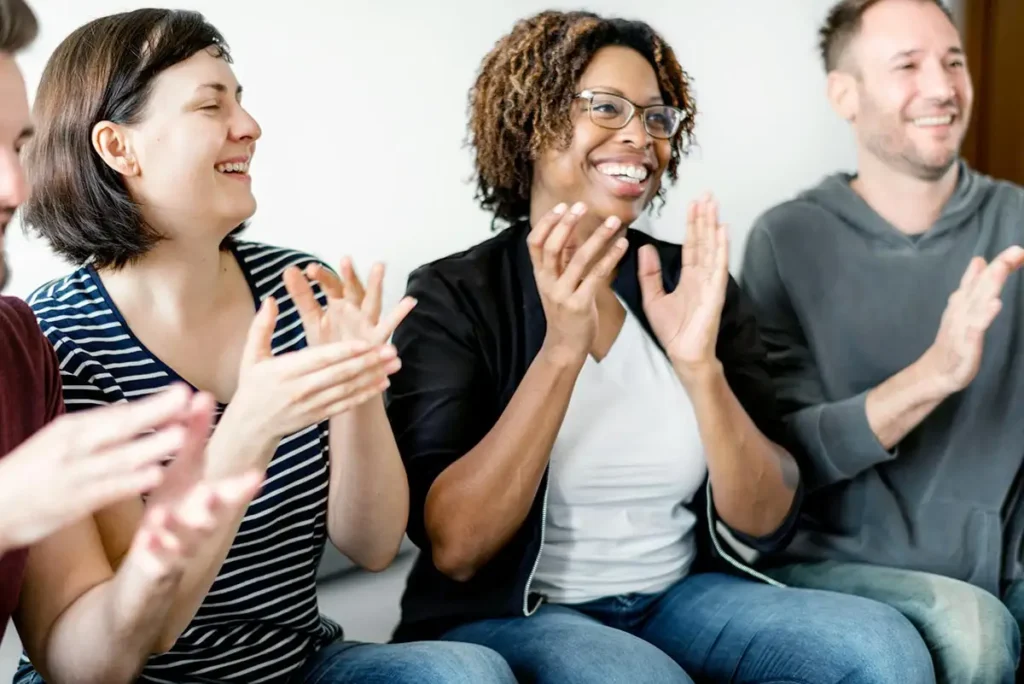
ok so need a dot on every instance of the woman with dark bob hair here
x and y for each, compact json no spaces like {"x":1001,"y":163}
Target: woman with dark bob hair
{"x":140,"y":166}
{"x":582,"y":407}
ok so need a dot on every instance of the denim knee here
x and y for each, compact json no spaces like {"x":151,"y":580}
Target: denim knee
{"x":882,"y":647}
{"x":458,"y":663}
{"x":973,"y":637}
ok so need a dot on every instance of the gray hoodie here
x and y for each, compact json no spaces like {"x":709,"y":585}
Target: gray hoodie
{"x":844,"y":301}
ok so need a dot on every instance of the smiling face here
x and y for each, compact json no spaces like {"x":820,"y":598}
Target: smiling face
{"x":615,"y":172}
{"x":187,"y":161}
{"x":907,"y":91}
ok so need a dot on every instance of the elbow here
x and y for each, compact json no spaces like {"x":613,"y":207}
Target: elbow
{"x":453,"y":563}
{"x":164,"y":644}
{"x":380,"y":561}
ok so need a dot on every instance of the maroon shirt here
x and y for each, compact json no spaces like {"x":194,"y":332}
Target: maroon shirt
{"x":30,"y":397}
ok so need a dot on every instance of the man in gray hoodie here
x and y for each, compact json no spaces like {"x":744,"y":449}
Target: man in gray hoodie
{"x":893,"y":311}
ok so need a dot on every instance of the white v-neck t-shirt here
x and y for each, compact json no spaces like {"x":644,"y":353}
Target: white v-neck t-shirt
{"x":625,"y":461}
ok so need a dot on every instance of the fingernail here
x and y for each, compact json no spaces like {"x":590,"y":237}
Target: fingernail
{"x":613,"y":222}
{"x":579,"y":208}
{"x":560,"y":209}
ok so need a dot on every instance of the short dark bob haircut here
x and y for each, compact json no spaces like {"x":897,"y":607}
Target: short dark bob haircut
{"x":104,"y":71}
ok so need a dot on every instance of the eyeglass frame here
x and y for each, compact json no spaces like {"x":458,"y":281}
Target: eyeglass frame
{"x":588,"y":95}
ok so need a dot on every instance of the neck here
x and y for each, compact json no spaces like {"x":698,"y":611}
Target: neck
{"x":912,"y":205}
{"x":177,"y":279}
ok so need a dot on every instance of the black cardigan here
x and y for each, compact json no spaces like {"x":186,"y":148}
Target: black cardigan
{"x":465,"y":348}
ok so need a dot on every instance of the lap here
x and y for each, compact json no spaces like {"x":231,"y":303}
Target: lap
{"x":972,"y":635}
{"x":433,"y":662}
{"x":724,"y":627}
{"x":558,"y":645}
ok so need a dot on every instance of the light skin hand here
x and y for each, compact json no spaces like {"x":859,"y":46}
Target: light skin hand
{"x":955,"y":356}
{"x":87,"y":461}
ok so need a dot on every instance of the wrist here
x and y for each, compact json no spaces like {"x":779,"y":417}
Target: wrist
{"x":245,"y":434}
{"x":929,"y":377}
{"x":699,"y":376}
{"x":561,"y":358}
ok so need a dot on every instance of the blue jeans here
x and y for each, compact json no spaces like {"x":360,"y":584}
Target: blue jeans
{"x":348,"y":662}
{"x":710,"y":627}
{"x":973,"y":636}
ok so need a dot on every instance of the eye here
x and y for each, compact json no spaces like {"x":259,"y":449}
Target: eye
{"x":956,"y":63}
{"x":210,"y":107}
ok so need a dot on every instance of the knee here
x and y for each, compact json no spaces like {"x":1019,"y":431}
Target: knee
{"x":459,"y":663}
{"x":973,"y":636}
{"x":876,"y":644}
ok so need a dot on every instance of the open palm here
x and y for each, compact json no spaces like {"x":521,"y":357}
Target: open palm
{"x":686,"y":320}
{"x":352,"y":311}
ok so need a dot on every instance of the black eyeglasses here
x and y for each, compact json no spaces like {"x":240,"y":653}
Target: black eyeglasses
{"x":615,"y":112}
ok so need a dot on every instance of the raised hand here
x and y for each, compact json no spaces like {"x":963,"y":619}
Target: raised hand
{"x":567,"y":281}
{"x":185,"y":509}
{"x":352,"y":311}
{"x":686,"y":321}
{"x":955,"y":356}
{"x":83,"y":462}
{"x":282,"y":394}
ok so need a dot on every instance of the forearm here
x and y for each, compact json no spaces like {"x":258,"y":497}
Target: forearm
{"x":230,"y":452}
{"x":369,"y":494}
{"x":109,"y":633}
{"x":477,"y":504}
{"x":899,"y":404}
{"x":753,"y":480}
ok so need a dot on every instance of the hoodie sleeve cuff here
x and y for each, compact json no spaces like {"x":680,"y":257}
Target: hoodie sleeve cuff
{"x":839,"y":440}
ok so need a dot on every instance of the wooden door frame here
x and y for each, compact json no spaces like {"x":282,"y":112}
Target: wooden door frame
{"x":993,"y":34}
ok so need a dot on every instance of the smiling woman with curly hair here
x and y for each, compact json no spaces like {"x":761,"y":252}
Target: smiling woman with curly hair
{"x":518,"y":110}
{"x":581,"y":406}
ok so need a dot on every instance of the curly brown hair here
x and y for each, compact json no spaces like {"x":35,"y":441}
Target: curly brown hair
{"x":521,"y":101}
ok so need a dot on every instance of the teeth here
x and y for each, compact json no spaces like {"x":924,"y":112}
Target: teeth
{"x":934,"y":120}
{"x":626,"y":172}
{"x":236,"y":167}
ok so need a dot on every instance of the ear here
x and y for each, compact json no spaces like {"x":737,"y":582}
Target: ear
{"x":111,"y":142}
{"x":842,"y":94}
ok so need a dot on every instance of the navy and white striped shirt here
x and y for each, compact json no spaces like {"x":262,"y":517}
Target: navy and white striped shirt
{"x":260,"y":621}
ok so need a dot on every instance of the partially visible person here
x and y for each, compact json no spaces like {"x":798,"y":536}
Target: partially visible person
{"x":582,"y":406}
{"x":56,"y":470}
{"x":141,"y":177}
{"x":891,"y":306}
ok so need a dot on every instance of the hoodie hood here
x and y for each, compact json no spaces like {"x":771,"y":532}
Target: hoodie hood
{"x":835,"y":195}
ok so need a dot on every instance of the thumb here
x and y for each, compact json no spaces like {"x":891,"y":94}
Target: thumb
{"x":257,"y":343}
{"x":649,"y":274}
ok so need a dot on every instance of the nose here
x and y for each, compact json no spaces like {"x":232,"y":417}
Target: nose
{"x":245,"y":127}
{"x":937,"y":82}
{"x":634,"y":132}
{"x":13,"y":185}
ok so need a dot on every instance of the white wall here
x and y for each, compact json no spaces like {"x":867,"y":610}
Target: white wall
{"x":363,"y":113}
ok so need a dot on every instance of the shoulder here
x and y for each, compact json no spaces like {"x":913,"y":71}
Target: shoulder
{"x":64,"y":305}
{"x":20,"y":335}
{"x":71,"y":287}
{"x":476,"y":272}
{"x":789,"y":219}
{"x":264,"y":265}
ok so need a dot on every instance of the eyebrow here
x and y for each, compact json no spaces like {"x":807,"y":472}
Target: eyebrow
{"x":219,"y":87}
{"x":903,"y":54}
{"x":656,"y":99}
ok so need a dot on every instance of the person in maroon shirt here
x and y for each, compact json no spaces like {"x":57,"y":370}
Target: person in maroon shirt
{"x":98,"y":623}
